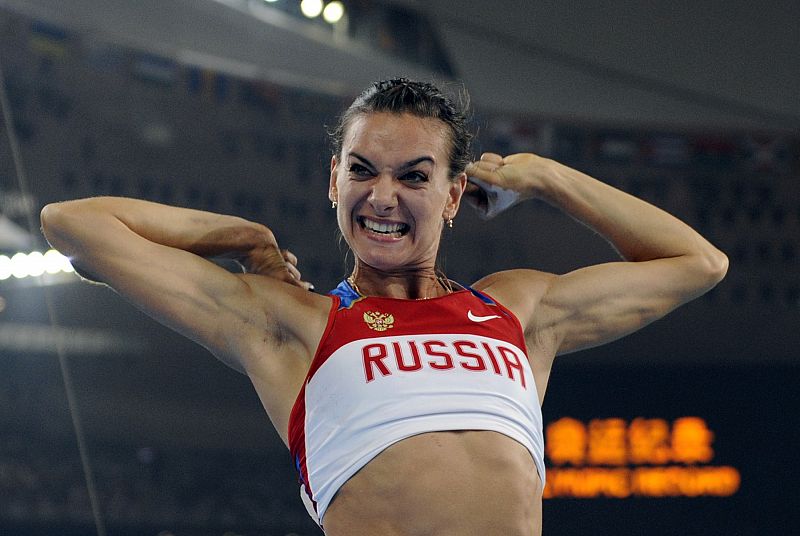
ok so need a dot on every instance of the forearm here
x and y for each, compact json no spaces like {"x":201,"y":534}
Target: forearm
{"x":72,"y":226}
{"x":637,"y":229}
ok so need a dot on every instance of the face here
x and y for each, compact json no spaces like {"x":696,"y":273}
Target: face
{"x":391,"y":185}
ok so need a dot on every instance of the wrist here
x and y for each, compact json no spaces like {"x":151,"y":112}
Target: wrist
{"x":235,"y":238}
{"x":543,"y":181}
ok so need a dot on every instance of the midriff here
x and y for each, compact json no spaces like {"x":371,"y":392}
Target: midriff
{"x":442,"y":484}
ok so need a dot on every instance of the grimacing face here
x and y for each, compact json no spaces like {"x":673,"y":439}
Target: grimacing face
{"x":392,"y":188}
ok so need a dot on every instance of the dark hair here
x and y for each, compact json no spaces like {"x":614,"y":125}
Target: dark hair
{"x":401,"y":95}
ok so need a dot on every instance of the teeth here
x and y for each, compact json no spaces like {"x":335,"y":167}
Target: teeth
{"x":386,"y":228}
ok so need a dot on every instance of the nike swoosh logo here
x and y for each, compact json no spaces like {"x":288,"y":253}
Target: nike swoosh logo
{"x":475,"y":318}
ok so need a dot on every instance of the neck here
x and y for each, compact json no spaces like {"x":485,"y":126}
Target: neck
{"x":415,"y":284}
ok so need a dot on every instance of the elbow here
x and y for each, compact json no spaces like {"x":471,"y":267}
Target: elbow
{"x":718,"y":265}
{"x":66,"y":227}
{"x":713,"y":267}
{"x":722,"y":267}
{"x":57,"y":220}
{"x":48,"y":218}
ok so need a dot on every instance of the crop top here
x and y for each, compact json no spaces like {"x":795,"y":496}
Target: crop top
{"x":387,"y":369}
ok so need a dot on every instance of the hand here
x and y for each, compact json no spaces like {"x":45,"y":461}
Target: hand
{"x":255,"y":248}
{"x":291,"y":264}
{"x":520,"y":175}
{"x":276,"y":263}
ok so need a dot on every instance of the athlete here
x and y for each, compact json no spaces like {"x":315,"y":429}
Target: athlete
{"x":410,"y":404}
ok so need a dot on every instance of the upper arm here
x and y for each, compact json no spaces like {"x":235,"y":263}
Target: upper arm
{"x":601,"y":303}
{"x":181,"y":290}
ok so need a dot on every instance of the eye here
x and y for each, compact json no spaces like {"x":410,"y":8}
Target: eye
{"x":359,"y":171}
{"x":415,"y":176}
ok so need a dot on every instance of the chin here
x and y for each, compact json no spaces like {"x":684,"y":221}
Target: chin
{"x":390,"y":261}
{"x":386,"y":257}
{"x":385,"y":262}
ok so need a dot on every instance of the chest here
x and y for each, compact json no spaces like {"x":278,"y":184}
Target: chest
{"x":390,"y":356}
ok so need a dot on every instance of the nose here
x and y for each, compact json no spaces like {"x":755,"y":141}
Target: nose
{"x":383,"y":196}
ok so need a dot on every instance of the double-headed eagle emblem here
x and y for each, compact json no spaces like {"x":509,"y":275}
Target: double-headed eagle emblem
{"x":379,"y":321}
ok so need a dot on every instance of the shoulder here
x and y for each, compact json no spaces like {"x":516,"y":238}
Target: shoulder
{"x":520,"y":290}
{"x":514,"y":282}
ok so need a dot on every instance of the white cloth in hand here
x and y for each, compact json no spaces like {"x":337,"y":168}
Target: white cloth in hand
{"x":497,"y":199}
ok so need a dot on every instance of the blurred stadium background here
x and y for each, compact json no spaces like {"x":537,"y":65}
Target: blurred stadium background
{"x":688,"y":427}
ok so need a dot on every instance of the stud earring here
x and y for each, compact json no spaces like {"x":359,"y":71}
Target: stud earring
{"x":333,"y":204}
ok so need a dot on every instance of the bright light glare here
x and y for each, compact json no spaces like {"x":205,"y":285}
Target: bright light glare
{"x":19,"y":265}
{"x":311,"y":8}
{"x":33,"y":264}
{"x":55,"y":262}
{"x":5,"y":267}
{"x":333,"y":12}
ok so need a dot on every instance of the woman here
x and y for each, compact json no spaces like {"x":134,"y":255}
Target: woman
{"x":410,"y":404}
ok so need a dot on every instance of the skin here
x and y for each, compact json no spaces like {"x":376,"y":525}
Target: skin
{"x":394,"y":169}
{"x":373,"y":179}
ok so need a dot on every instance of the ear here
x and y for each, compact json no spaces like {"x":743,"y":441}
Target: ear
{"x":454,"y":196}
{"x":333,"y":193}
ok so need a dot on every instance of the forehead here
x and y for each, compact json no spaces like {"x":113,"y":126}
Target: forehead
{"x":396,"y":134}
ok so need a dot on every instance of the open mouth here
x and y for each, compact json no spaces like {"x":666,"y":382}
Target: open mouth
{"x":388,"y":229}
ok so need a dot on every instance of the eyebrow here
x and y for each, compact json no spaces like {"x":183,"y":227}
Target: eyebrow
{"x":406,"y":165}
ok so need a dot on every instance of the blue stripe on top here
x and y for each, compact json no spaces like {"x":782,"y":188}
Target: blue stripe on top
{"x":483,"y":297}
{"x":347,"y":294}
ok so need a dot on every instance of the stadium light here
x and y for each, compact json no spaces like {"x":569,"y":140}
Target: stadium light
{"x":333,"y":12}
{"x":311,"y":8}
{"x":33,"y":264}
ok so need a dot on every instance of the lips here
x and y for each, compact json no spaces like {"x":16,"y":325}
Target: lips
{"x":383,"y":228}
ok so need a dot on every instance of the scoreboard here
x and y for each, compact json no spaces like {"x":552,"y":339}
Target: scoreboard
{"x":664,"y":450}
{"x":646,"y":457}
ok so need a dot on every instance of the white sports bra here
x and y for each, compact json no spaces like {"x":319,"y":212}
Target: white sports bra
{"x":387,"y":369}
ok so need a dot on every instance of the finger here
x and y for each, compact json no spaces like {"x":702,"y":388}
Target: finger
{"x":295,"y":273}
{"x":287,"y":275}
{"x":519,"y":157}
{"x":268,"y":262}
{"x":484,"y":171}
{"x":492,"y":158}
{"x":289,"y":257}
{"x":298,"y":282}
{"x":486,"y":165}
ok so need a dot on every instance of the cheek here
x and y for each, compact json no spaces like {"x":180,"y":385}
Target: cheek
{"x":342,"y":220}
{"x":432,"y":219}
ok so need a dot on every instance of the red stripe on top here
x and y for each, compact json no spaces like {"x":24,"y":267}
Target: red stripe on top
{"x":297,"y":417}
